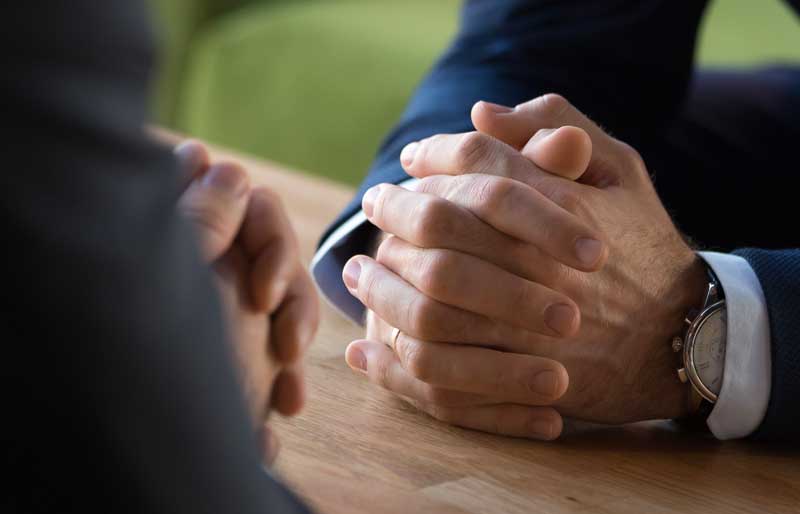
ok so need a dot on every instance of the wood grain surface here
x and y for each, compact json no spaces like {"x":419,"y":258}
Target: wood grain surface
{"x":356,"y":449}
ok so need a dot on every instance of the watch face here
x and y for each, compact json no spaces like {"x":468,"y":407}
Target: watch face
{"x":708,"y":351}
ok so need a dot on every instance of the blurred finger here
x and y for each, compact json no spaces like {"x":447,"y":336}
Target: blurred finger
{"x":289,"y":391}
{"x":193,"y":161}
{"x":215,"y":204}
{"x":295,"y":323}
{"x":270,"y":243}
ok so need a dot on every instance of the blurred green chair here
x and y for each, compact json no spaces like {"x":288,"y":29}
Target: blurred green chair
{"x":179,"y":22}
{"x":316,"y":84}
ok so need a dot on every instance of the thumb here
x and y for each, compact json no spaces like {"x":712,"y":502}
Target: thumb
{"x":519,"y":125}
{"x":504,"y":123}
{"x":563,"y":150}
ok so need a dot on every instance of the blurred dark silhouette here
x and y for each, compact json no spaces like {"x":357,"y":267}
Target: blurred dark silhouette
{"x":118,"y":381}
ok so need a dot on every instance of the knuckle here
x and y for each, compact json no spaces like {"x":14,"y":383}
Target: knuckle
{"x":380,"y":204}
{"x":415,"y":358}
{"x":265,"y":203}
{"x":501,"y":383}
{"x":427,"y":184}
{"x":233,"y":168}
{"x":267,"y":195}
{"x":473,"y":149}
{"x":210,"y":220}
{"x":550,"y":187}
{"x":552,"y":105}
{"x":423,"y":318}
{"x":632,"y":160}
{"x":434,"y":272}
{"x":493,"y":193}
{"x":568,"y":199}
{"x":522,"y":294}
{"x":431,"y":221}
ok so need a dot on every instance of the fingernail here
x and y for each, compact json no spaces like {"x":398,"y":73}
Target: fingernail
{"x":356,"y":359}
{"x":542,"y":429}
{"x":588,"y":250}
{"x":350,"y":274}
{"x":545,"y":383}
{"x":228,"y":179}
{"x":500,"y":109}
{"x":408,"y":153}
{"x":560,"y":317}
{"x":368,"y":201}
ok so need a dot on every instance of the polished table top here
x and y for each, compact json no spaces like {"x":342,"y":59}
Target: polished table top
{"x":356,"y":449}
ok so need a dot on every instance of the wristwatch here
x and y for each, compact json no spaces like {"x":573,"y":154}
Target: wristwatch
{"x":702,"y":348}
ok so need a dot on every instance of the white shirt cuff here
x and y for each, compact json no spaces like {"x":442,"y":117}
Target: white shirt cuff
{"x":744,"y":397}
{"x":333,"y":254}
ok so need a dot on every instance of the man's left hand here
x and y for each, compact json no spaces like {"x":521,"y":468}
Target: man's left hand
{"x":269,"y":300}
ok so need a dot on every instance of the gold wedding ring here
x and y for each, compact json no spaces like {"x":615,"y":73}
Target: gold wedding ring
{"x":393,"y":339}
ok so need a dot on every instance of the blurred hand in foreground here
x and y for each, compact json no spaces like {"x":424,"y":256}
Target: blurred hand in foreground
{"x":269,"y":300}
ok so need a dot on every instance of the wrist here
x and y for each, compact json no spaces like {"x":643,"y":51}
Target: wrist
{"x":686,"y":293}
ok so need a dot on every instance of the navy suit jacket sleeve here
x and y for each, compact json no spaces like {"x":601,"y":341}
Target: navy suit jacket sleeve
{"x":779,"y":274}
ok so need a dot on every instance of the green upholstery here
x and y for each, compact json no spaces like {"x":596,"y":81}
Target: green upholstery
{"x":314,"y":85}
{"x":317,"y":83}
{"x":178,"y":22}
{"x":737,"y":32}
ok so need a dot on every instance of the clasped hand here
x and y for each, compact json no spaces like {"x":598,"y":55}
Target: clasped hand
{"x":269,"y":300}
{"x":533,"y":273}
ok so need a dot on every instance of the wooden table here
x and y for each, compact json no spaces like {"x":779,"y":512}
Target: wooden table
{"x":356,"y":449}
